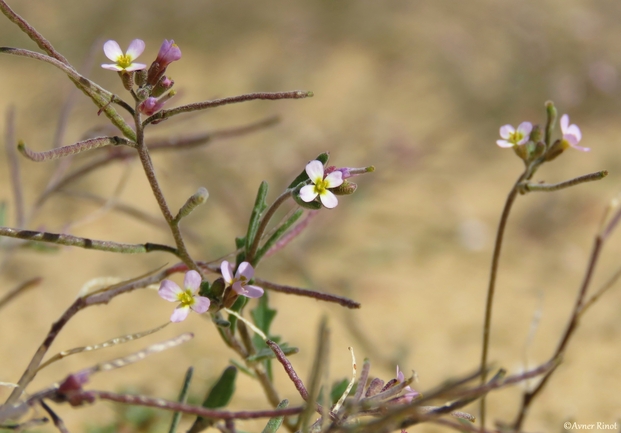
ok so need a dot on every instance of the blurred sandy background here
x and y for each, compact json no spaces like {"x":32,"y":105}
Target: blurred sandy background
{"x":418,"y":89}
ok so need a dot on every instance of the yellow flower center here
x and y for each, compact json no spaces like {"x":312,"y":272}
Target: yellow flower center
{"x":186,"y":298}
{"x":320,"y":186}
{"x":124,"y":61}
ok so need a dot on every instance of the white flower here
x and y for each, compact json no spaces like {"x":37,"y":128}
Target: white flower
{"x":571,"y":134}
{"x":124,"y":62}
{"x":512,"y":137}
{"x":187,"y":298}
{"x":320,"y":186}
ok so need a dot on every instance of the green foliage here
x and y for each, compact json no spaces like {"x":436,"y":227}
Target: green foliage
{"x":218,"y":397}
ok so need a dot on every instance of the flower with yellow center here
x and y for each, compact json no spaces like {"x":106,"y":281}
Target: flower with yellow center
{"x":187,"y":298}
{"x":314,"y":170}
{"x":124,"y":61}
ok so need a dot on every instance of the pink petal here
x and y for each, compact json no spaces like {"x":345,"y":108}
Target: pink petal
{"x":400,"y":375}
{"x":575,"y":131}
{"x":201,"y":304}
{"x":504,"y":143}
{"x":112,"y":67}
{"x":227,"y":272}
{"x":169,"y":290}
{"x":238,"y":287}
{"x":583,"y":149}
{"x":112,"y":50}
{"x":307,"y":193}
{"x":314,"y":170}
{"x":506,"y":131}
{"x":136,"y":67}
{"x":252,"y":291}
{"x":564,"y":123}
{"x":192,"y":281}
{"x":136,"y":47}
{"x":334,"y":179}
{"x":329,"y":200}
{"x":525,"y":128}
{"x":246,"y":270}
{"x":180,"y":314}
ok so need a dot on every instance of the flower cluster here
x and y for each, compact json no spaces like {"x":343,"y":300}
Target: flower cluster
{"x":526,"y":140}
{"x":155,"y":88}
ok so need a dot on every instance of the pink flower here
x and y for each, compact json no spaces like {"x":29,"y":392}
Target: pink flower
{"x":571,"y":134}
{"x":512,"y":137}
{"x":187,"y":297}
{"x":124,"y":62}
{"x":314,"y":170}
{"x":239,"y":283}
{"x":409,"y":393}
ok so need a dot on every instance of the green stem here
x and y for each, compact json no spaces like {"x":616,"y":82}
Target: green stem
{"x":269,"y":213}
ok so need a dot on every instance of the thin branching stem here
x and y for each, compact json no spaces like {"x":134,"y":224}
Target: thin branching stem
{"x":73,"y":149}
{"x":147,"y":165}
{"x":492,"y":283}
{"x":270,"y":96}
{"x":575,"y":315}
{"x":91,"y":244}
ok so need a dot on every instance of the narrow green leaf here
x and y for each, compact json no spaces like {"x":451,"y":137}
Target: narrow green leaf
{"x":267,"y":353}
{"x":263,"y":315}
{"x":255,"y":217}
{"x":278,"y":234}
{"x":183,"y":395}
{"x":302,"y":177}
{"x":237,"y":306}
{"x":274,"y":423}
{"x":218,"y":396}
{"x":240,"y":244}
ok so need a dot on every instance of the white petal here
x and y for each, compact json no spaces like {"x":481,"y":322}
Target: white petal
{"x":307,"y":193}
{"x":136,"y":67}
{"x":564,"y":123}
{"x":180,"y":314}
{"x":329,"y":200}
{"x":506,"y":131}
{"x":334,"y":179}
{"x":201,"y":304}
{"x":227,"y":272}
{"x":314,"y":170}
{"x":245,"y":269}
{"x":169,"y":290}
{"x":136,"y":47}
{"x":504,"y":143}
{"x":583,"y":149}
{"x":112,"y":67}
{"x":192,"y":281}
{"x":112,"y":50}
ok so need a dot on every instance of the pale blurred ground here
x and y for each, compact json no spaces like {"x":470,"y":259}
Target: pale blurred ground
{"x":418,"y":89}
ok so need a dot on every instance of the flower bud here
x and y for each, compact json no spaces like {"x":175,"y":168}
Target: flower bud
{"x":140,"y":77}
{"x":169,"y":52}
{"x":150,"y":106}
{"x":346,"y":188}
{"x":198,"y":198}
{"x":556,"y":149}
{"x":128,"y":79}
{"x":162,"y":86}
